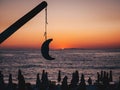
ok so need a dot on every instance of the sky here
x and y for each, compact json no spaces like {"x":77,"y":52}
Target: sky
{"x":71,"y":23}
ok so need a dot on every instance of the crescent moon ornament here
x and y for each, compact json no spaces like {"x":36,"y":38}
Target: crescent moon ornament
{"x":45,"y":50}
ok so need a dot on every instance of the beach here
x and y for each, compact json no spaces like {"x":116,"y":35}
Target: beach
{"x":86,"y":61}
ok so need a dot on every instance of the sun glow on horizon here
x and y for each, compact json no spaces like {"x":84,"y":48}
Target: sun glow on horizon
{"x":77,"y":24}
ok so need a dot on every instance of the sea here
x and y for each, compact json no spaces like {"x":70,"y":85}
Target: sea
{"x":86,"y":61}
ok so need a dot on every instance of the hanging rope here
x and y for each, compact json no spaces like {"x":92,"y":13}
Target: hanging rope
{"x":45,"y":34}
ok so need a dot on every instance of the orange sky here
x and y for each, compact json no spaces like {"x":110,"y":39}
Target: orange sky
{"x":71,"y":23}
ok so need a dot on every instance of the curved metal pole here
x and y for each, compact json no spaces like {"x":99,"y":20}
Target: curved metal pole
{"x":15,"y":26}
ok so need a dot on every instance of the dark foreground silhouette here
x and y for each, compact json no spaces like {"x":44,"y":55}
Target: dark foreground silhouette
{"x":20,"y":22}
{"x":104,"y":81}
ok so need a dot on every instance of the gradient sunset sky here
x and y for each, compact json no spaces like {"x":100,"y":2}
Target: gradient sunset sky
{"x":71,"y":23}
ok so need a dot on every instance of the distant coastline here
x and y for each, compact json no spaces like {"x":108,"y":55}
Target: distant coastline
{"x":106,"y":49}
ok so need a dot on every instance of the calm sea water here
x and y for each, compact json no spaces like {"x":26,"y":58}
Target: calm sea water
{"x":31,"y":62}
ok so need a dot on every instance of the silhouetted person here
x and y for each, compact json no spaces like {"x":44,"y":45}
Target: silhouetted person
{"x":105,"y":79}
{"x":43,"y":75}
{"x":10,"y":83}
{"x":2,"y":85}
{"x":90,"y":81}
{"x":77,"y":76}
{"x":98,"y":77}
{"x":59,"y":76}
{"x":38,"y":82}
{"x":44,"y":80}
{"x":64,"y":85}
{"x":10,"y":78}
{"x":111,"y":77}
{"x":82,"y":85}
{"x":74,"y":80}
{"x":21,"y":81}
{"x":101,"y":76}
